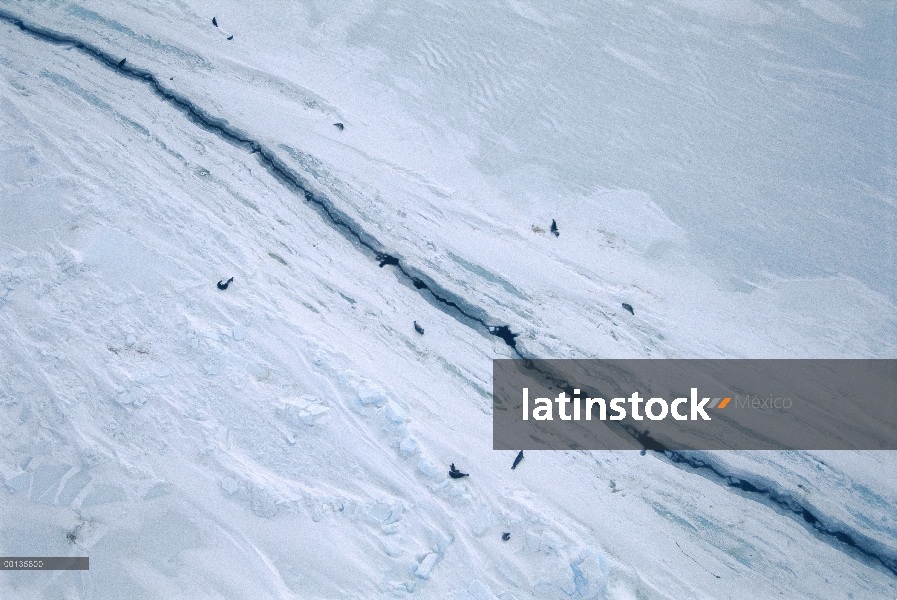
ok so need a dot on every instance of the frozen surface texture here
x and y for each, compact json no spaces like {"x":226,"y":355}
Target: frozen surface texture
{"x":725,"y":168}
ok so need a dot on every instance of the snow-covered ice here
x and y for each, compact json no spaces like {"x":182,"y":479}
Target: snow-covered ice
{"x":727,"y":168}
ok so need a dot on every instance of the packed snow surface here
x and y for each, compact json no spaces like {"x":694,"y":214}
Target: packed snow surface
{"x":726,"y":168}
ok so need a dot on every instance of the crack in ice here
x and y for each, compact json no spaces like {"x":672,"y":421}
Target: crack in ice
{"x":863,"y":545}
{"x":842,"y":538}
{"x":343,"y":223}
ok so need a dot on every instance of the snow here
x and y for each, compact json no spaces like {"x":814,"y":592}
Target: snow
{"x":727,"y":168}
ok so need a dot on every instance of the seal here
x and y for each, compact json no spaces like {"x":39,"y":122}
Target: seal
{"x":504,"y":332}
{"x":456,"y":474}
{"x":223,"y":285}
{"x":386,"y":259}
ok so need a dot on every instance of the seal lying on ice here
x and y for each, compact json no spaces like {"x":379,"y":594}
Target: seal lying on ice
{"x":504,"y":332}
{"x":386,"y":259}
{"x":456,"y":474}
{"x":223,"y":285}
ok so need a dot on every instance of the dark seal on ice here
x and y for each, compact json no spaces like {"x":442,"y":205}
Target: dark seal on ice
{"x":456,"y":474}
{"x":222,"y":285}
{"x":214,"y":21}
{"x":230,"y":37}
{"x":386,"y":259}
{"x":629,"y":308}
{"x":121,"y":63}
{"x":517,"y":460}
{"x":505,"y":536}
{"x":339,"y":126}
{"x":504,"y":333}
{"x":418,"y":328}
{"x":554,"y":228}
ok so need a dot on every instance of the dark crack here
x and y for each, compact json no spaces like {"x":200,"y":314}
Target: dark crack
{"x":445,"y":300}
{"x":839,"y":536}
{"x":849,"y":541}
